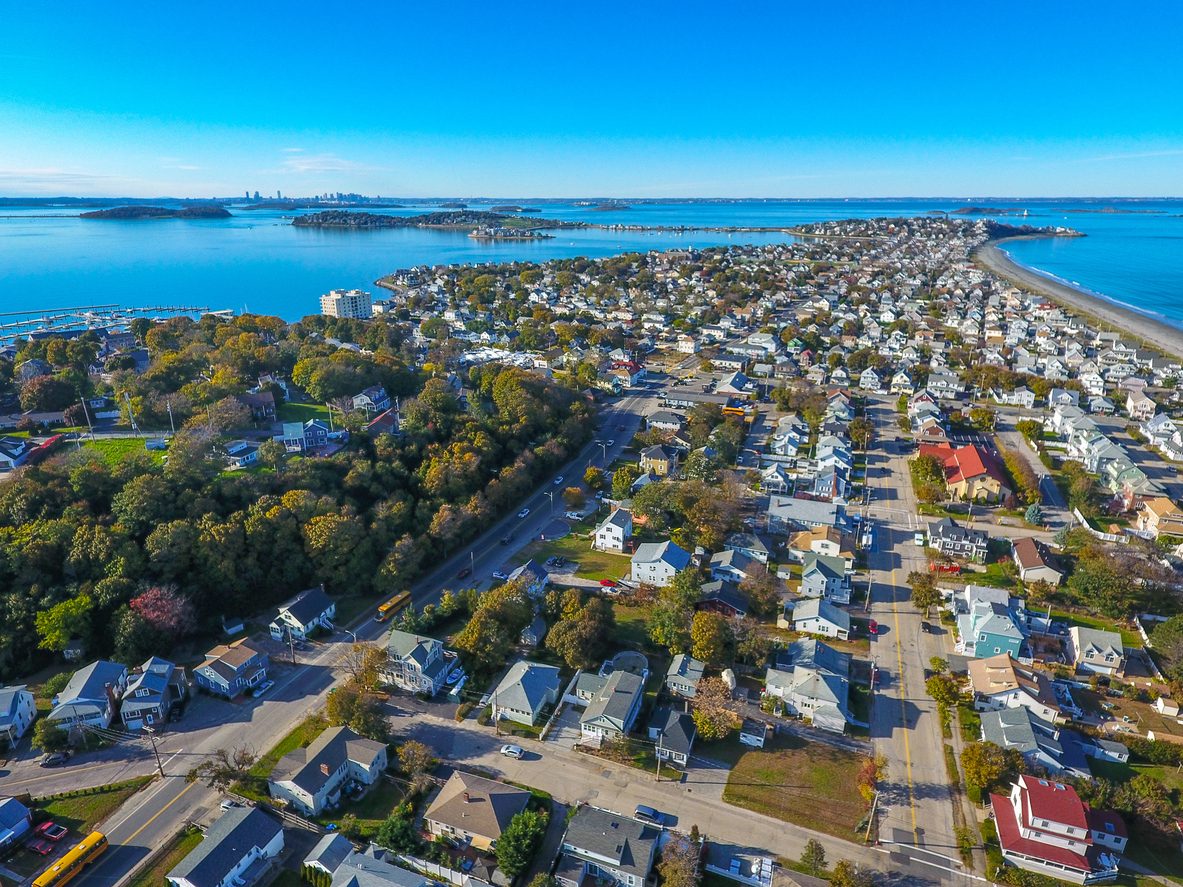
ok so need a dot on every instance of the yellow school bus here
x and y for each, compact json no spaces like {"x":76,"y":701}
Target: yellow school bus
{"x":73,"y":862}
{"x":392,"y":606}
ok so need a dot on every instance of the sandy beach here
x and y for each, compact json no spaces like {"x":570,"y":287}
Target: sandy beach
{"x":1155,"y":334}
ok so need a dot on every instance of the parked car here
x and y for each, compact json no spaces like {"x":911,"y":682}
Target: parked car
{"x":264,"y":687}
{"x":512,"y":751}
{"x":648,"y":814}
{"x":229,"y":805}
{"x":608,"y":583}
{"x":873,"y":627}
{"x":465,"y":573}
{"x":523,"y":512}
{"x":497,"y":574}
{"x":42,"y":848}
{"x":56,"y":759}
{"x":573,"y":515}
{"x":611,"y":442}
{"x":52,"y":831}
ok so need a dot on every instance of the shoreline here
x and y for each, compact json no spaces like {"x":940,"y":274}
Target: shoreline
{"x":1152,"y":331}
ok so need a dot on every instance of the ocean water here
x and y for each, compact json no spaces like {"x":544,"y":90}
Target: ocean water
{"x":256,"y":261}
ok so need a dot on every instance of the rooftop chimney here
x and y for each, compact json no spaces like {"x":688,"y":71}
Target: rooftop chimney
{"x":324,"y":768}
{"x":466,"y":797}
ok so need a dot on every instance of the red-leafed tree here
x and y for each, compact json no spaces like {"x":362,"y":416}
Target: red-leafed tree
{"x":165,"y":610}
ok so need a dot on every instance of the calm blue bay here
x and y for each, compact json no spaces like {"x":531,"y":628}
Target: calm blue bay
{"x":257,"y":261}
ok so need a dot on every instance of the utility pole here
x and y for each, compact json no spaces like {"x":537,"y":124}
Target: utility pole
{"x":131,"y":415}
{"x":292,"y":646}
{"x":152,"y":738}
{"x":86,"y":412}
{"x":171,"y":424}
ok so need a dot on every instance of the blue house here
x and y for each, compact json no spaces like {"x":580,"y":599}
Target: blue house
{"x":987,"y":623}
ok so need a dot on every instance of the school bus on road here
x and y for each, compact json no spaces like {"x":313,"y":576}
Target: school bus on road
{"x":393,"y":606}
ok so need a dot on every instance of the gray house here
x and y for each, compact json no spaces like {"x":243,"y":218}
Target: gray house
{"x":17,"y":712}
{"x":310,"y":778}
{"x":415,"y":662}
{"x":335,"y":855}
{"x":92,"y":696}
{"x":613,"y":704}
{"x":683,"y":675}
{"x":672,"y":733}
{"x":825,"y":576}
{"x":607,"y":847}
{"x":236,"y":849}
{"x":15,"y":821}
{"x":525,"y":690}
{"x":152,"y":689}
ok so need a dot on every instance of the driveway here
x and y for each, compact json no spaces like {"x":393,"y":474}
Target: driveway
{"x":565,"y":731}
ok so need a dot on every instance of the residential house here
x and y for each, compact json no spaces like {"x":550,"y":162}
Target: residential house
{"x":661,"y":460}
{"x":372,"y":867}
{"x":722,"y":597}
{"x":299,"y":436}
{"x":1020,"y":397}
{"x":373,"y":400}
{"x":260,"y":403}
{"x":92,"y":696}
{"x":242,"y":453}
{"x":615,"y":532}
{"x":14,"y":452}
{"x":658,"y":562}
{"x":230,"y":669}
{"x":819,"y":616}
{"x":822,"y":540}
{"x":415,"y":663}
{"x":1064,"y":397}
{"x":610,"y":849}
{"x":775,"y":478}
{"x":683,"y":675}
{"x":1096,"y":650}
{"x":311,"y":778}
{"x":613,"y":705}
{"x":869,"y":380}
{"x":534,"y":633}
{"x":817,"y":695}
{"x":664,"y":420}
{"x":1139,"y":406}
{"x":1044,"y":827}
{"x":732,"y":565}
{"x":999,"y":682}
{"x":986,"y":624}
{"x":236,"y":849}
{"x":474,"y":810}
{"x":307,"y":611}
{"x":750,"y":544}
{"x":17,"y":713}
{"x":672,"y":732}
{"x":1160,"y":517}
{"x":526,"y":689}
{"x":901,"y":383}
{"x":789,"y":514}
{"x":152,"y":691}
{"x":953,"y":540}
{"x":971,"y":473}
{"x":825,"y":576}
{"x":533,"y":577}
{"x":15,"y":821}
{"x":1041,"y":743}
{"x":1035,"y":561}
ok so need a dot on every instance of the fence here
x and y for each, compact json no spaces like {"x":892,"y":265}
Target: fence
{"x":441,"y":872}
{"x":1108,"y":537}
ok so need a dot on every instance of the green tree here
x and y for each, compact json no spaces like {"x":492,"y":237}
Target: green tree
{"x":583,"y":635}
{"x":361,"y":711}
{"x":982,"y":418}
{"x":49,"y":736}
{"x":1030,"y":429}
{"x":943,"y":689}
{"x":861,"y":431}
{"x":813,"y":857}
{"x":519,"y":842}
{"x":710,"y":638}
{"x":272,"y":453}
{"x":925,"y":593}
{"x":671,"y":616}
{"x":397,"y":832}
{"x":846,"y":874}
{"x":1034,"y":514}
{"x":64,"y":621}
{"x":989,"y":766}
{"x":762,"y":590}
{"x":929,"y":469}
{"x":622,"y":480}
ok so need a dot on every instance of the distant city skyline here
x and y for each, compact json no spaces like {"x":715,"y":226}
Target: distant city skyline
{"x":639,"y":100}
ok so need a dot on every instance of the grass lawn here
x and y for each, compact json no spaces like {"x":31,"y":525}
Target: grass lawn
{"x":809,"y":784}
{"x":179,"y":847}
{"x":82,"y":811}
{"x":288,"y":878}
{"x":592,"y":564}
{"x":993,"y":577}
{"x":301,"y":737}
{"x":1121,"y":773}
{"x":1129,"y":637}
{"x":302,"y":412}
{"x":352,"y":606}
{"x":116,"y":449}
{"x":630,"y":626}
{"x":373,"y":809}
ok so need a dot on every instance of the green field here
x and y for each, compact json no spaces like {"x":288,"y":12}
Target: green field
{"x":302,"y":412}
{"x":1129,"y":637}
{"x":301,"y":737}
{"x":371,"y":810}
{"x":116,"y":449}
{"x":592,"y":564}
{"x":806,"y":783}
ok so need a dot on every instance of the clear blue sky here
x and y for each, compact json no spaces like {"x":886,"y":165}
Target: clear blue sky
{"x":776,"y":99}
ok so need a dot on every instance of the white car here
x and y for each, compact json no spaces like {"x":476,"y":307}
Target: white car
{"x":573,"y":515}
{"x":558,"y":480}
{"x":523,"y":512}
{"x":497,"y":574}
{"x":512,"y":751}
{"x":264,"y":687}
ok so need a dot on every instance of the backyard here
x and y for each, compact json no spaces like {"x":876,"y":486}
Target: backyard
{"x":592,"y":564}
{"x":116,"y":449}
{"x":372,"y":810}
{"x":809,"y":784}
{"x":302,"y":412}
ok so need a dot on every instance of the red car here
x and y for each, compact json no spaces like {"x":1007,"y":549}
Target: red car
{"x":608,"y":583}
{"x":42,"y":848}
{"x":873,"y":627}
{"x":52,"y":830}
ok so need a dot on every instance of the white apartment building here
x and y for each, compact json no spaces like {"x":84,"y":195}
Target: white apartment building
{"x":353,"y":304}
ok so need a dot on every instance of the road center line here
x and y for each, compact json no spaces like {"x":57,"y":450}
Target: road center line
{"x":899,"y":650}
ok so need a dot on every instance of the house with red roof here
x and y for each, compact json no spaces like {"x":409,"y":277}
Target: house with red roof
{"x":1045,"y":827}
{"x":971,"y":472}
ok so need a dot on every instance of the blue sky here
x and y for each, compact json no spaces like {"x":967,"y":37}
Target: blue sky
{"x":749,"y":99}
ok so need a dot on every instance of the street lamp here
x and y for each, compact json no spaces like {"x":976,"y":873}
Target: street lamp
{"x":552,"y":501}
{"x":604,"y":447}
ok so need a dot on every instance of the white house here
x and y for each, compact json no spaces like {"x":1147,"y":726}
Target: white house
{"x":615,"y":531}
{"x":17,"y":712}
{"x":825,"y":576}
{"x":308,"y":610}
{"x":240,"y":841}
{"x":658,"y":562}
{"x":819,"y":616}
{"x":91,"y":696}
{"x":310,"y":779}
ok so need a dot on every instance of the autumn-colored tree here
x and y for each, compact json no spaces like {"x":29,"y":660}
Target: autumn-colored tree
{"x":711,"y":638}
{"x":574,"y":498}
{"x":365,"y":662}
{"x":679,"y":862}
{"x":417,"y":762}
{"x":925,"y":593}
{"x":762,"y":589}
{"x":713,"y":709}
{"x":165,"y":610}
{"x":870,"y":776}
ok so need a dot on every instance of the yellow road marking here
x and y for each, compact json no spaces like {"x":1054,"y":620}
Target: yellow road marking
{"x":161,"y":810}
{"x":899,"y":650}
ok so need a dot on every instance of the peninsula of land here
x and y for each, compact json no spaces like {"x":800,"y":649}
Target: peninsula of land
{"x":130,"y":213}
{"x":451,"y":220}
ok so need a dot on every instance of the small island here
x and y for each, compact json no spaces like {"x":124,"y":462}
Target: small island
{"x":515,"y":209}
{"x":466,"y":219}
{"x":607,"y":208}
{"x":453,"y":206}
{"x":132,"y":213}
